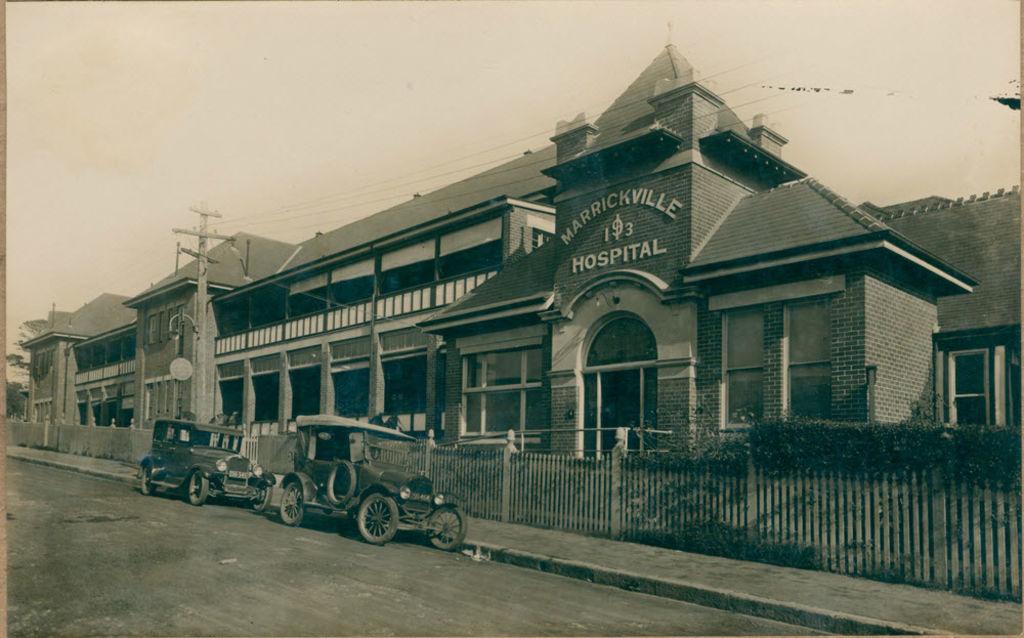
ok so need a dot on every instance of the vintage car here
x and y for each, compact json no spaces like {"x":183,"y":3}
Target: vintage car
{"x":336,"y":468}
{"x":203,"y":461}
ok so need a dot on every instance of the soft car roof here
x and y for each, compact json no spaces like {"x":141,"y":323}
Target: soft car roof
{"x":306,"y":421}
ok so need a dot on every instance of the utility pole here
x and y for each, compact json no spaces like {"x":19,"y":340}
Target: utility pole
{"x":202,"y":391}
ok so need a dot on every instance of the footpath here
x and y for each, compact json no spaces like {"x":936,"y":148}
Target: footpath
{"x":818,"y":600}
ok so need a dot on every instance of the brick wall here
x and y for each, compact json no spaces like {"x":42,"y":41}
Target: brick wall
{"x":849,"y":380}
{"x":676,"y":398}
{"x":563,"y":403}
{"x":452,"y":392}
{"x":708,"y":414}
{"x":898,"y":340}
{"x":774,"y":373}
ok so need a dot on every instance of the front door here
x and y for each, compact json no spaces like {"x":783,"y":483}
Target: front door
{"x":620,"y":398}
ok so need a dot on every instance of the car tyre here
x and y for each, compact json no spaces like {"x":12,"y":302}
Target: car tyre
{"x":347,"y":470}
{"x":447,"y":527}
{"x":292,"y":508}
{"x":377,"y":519}
{"x":146,"y":481}
{"x":197,"y":489}
{"x":262,"y":499}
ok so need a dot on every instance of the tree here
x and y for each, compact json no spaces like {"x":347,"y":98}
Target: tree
{"x":18,"y":361}
{"x":17,"y":399}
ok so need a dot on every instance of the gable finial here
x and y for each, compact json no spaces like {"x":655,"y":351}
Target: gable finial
{"x":668,"y":36}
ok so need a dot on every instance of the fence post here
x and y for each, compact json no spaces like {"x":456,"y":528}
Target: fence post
{"x":937,"y":519}
{"x":428,"y":450}
{"x":750,"y":497}
{"x":618,"y":453}
{"x":506,"y":476}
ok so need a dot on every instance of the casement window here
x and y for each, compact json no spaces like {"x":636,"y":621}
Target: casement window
{"x":307,"y":296}
{"x":407,"y":267}
{"x":470,"y":249}
{"x":969,"y":387}
{"x":352,"y":283}
{"x":809,"y":374}
{"x":502,"y":391}
{"x":405,"y":391}
{"x":743,"y":346}
{"x":153,"y":328}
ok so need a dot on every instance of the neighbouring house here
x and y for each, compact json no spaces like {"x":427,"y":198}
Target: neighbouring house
{"x":53,"y":390}
{"x":977,"y":345}
{"x":166,"y":328}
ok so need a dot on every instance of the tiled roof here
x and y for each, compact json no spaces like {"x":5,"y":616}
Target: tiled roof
{"x":524,"y":276}
{"x":102,"y":314}
{"x":265,"y":257}
{"x":797,"y":214}
{"x":631,"y":113}
{"x":982,"y":238}
{"x":518,"y":178}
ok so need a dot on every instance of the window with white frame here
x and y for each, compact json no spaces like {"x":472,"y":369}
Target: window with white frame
{"x":968,"y":386}
{"x":743,"y":347}
{"x":502,"y":391}
{"x":809,"y":338}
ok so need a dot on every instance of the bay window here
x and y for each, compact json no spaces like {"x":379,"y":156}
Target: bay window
{"x":502,"y":391}
{"x":809,"y":333}
{"x":744,"y":365}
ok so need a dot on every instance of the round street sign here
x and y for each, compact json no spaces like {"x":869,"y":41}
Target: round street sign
{"x":181,"y":369}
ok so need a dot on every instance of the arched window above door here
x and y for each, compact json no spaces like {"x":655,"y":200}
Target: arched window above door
{"x":622,"y":340}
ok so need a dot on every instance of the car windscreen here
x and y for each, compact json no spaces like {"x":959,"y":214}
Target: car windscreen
{"x":331,"y":445}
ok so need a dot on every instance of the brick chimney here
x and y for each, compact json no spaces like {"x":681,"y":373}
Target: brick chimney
{"x":767,"y":138}
{"x":573,"y":137}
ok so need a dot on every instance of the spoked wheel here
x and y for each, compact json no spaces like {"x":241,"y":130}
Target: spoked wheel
{"x":198,"y":489}
{"x":146,"y":481}
{"x":377,"y":519}
{"x":261,"y":501}
{"x":447,"y":528}
{"x":291,"y":504}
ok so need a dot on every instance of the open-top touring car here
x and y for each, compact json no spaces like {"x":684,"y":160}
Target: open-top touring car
{"x":336,"y":469}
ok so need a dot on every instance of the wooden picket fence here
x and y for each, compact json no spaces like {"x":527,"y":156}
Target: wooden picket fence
{"x":914,"y":527}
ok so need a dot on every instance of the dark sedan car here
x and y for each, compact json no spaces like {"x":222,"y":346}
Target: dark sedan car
{"x":336,"y":469}
{"x":203,"y":461}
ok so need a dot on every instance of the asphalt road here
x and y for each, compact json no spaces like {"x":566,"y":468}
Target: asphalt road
{"x":94,"y":557}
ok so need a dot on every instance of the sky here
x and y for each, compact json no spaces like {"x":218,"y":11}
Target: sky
{"x":289,"y":118}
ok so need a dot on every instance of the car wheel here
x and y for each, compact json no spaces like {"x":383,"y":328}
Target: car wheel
{"x":261,"y":501}
{"x":447,"y":528}
{"x":197,"y":489}
{"x":377,"y":519}
{"x":146,"y":481}
{"x":291,"y":509}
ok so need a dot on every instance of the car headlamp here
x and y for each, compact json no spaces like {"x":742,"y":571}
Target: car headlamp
{"x":405,"y":493}
{"x":222,"y":465}
{"x":439,"y":499}
{"x":257,"y":470}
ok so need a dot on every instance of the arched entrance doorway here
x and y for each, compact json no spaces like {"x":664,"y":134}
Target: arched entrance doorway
{"x":620,"y":383}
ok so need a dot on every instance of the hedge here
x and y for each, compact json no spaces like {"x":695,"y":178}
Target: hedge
{"x":967,"y":452}
{"x":976,"y":453}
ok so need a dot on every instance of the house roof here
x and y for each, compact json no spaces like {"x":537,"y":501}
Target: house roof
{"x":801,"y":213}
{"x":525,"y":275}
{"x":265,"y":257}
{"x":519,"y":178}
{"x":980,"y":237}
{"x":104,"y":313}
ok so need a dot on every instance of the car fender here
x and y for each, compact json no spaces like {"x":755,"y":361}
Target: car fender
{"x":379,"y":488}
{"x":308,"y":487}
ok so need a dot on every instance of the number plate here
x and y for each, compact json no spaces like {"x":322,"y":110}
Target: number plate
{"x":238,"y":474}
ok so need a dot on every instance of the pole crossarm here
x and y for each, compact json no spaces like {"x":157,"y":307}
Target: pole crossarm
{"x":202,"y":234}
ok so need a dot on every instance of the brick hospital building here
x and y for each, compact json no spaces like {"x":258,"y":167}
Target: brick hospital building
{"x":658,"y":267}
